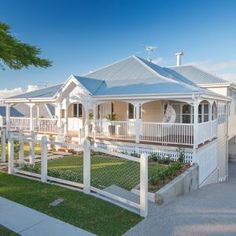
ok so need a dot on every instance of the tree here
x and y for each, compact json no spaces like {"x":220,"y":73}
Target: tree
{"x":16,"y":54}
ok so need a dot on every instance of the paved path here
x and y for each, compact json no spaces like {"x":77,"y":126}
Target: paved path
{"x":210,"y":210}
{"x":27,"y":222}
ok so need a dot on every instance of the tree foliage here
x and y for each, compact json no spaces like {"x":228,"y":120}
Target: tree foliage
{"x":16,"y":54}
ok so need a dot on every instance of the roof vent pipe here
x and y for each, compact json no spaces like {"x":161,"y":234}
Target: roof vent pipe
{"x":178,"y":58}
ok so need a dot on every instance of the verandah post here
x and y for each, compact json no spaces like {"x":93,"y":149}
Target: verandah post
{"x":86,"y":166}
{"x":143,"y":185}
{"x":195,"y":130}
{"x":137,"y":108}
{"x":10,"y":154}
{"x":44,"y":161}
{"x":3,"y":145}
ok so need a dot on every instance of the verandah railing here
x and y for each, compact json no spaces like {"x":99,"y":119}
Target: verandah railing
{"x":165,"y":133}
{"x":43,"y":125}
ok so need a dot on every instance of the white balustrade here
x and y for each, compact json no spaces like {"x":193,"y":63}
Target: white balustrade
{"x":43,"y":125}
{"x":118,"y":129}
{"x":207,"y":131}
{"x":169,"y":133}
{"x":21,"y":123}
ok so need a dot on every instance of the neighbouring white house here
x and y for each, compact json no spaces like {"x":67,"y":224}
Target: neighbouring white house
{"x":134,"y":105}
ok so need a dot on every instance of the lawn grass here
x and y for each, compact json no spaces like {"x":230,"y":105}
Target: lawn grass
{"x":6,"y":232}
{"x":26,"y":150}
{"x":79,"y":209}
{"x":105,"y":170}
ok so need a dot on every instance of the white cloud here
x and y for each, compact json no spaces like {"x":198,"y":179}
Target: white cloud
{"x":15,"y":91}
{"x":158,"y":60}
{"x":10,"y":92}
{"x":32,"y":88}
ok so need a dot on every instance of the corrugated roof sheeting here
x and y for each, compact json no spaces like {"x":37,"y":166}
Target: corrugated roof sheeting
{"x":197,"y":75}
{"x":13,"y":112}
{"x":136,"y":76}
{"x":41,"y":93}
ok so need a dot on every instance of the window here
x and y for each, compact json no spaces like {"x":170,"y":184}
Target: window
{"x":99,"y":111}
{"x":205,"y":112}
{"x":187,"y":114}
{"x":112,"y":108}
{"x":177,"y":109}
{"x":77,"y":110}
{"x":200,"y":113}
{"x":130,"y":111}
{"x":221,"y":113}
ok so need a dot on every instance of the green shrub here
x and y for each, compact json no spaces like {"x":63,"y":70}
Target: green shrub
{"x":153,"y":156}
{"x":134,"y":154}
{"x":181,"y":155}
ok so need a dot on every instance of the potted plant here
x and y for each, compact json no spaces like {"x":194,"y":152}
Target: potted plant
{"x":111,"y":128}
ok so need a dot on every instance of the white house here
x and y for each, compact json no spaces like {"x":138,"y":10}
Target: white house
{"x":135,"y":105}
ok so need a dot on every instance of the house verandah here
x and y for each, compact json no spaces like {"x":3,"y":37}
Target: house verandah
{"x":138,"y":120}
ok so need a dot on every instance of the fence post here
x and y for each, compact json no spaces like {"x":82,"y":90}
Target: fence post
{"x":143,"y":185}
{"x":86,"y":166}
{"x":3,"y":143}
{"x":21,"y":148}
{"x":44,"y":159}
{"x":10,"y":154}
{"x":32,"y":148}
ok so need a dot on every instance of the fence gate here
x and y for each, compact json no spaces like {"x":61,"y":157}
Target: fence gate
{"x":114,"y":175}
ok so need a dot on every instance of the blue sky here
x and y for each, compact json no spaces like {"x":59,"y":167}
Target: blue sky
{"x":79,"y":36}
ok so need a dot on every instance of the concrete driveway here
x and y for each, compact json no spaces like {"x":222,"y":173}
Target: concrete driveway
{"x":210,"y":210}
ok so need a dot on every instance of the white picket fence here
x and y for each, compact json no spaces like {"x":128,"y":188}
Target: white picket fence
{"x":161,"y":151}
{"x":85,"y":185}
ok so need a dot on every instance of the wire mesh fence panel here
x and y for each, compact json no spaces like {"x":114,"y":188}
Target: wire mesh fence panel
{"x":108,"y":170}
{"x":67,"y":167}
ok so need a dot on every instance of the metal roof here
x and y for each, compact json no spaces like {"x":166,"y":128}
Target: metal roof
{"x":40,"y":93}
{"x":90,"y":84}
{"x":25,"y":110}
{"x":13,"y":112}
{"x":197,"y":75}
{"x":135,"y":76}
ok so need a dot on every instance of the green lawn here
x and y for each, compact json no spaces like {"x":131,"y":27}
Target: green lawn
{"x":26,"y":150}
{"x":6,"y":232}
{"x":85,"y":211}
{"x":105,"y":170}
{"x":108,"y":170}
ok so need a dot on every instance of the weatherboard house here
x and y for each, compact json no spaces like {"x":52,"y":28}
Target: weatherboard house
{"x":134,"y":105}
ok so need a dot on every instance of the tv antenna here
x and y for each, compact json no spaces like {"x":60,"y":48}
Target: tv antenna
{"x":150,"y":50}
{"x":43,"y":84}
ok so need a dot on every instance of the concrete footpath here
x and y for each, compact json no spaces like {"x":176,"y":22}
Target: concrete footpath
{"x":27,"y":222}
